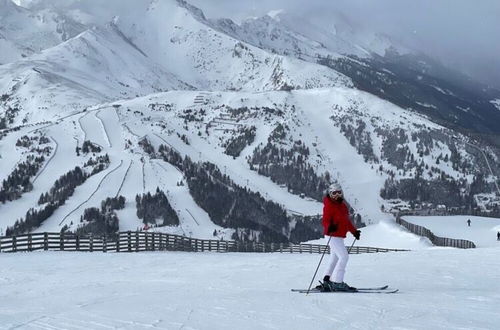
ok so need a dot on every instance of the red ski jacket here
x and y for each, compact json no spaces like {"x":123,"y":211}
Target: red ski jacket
{"x":338,"y":214}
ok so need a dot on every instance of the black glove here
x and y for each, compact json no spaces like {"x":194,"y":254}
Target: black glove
{"x":357,"y":234}
{"x":332,"y":228}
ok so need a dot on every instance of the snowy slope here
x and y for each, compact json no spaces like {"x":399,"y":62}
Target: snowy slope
{"x":290,"y":35}
{"x":176,"y":290}
{"x":482,"y":231}
{"x":80,"y":72}
{"x":171,"y":47}
{"x":310,"y":115}
{"x":386,"y":234}
{"x":24,"y":32}
{"x":178,"y":37}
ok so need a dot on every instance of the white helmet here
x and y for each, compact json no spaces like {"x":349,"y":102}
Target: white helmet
{"x":334,"y":187}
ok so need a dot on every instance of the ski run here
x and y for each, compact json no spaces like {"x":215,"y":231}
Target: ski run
{"x":439,"y":288}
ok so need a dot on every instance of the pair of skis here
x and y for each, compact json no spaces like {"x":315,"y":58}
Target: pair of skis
{"x":381,"y":289}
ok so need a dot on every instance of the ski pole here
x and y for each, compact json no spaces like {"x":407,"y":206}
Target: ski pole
{"x":312,"y":280}
{"x":349,"y":251}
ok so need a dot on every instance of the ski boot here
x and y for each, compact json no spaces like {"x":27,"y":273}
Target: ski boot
{"x":326,"y":286}
{"x":342,"y":286}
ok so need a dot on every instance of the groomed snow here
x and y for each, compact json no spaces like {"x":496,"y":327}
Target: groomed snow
{"x":482,"y":231}
{"x":385,"y":234}
{"x":439,"y":289}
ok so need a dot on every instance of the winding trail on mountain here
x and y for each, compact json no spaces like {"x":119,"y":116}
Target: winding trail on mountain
{"x":54,"y":152}
{"x":99,"y":186}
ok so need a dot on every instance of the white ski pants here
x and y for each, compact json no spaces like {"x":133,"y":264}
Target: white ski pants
{"x":338,"y":259}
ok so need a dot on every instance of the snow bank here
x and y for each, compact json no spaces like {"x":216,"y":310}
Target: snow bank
{"x":386,"y":234}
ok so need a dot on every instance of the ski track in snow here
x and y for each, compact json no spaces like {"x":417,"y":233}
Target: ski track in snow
{"x":124,"y":177}
{"x":94,"y":132}
{"x":61,"y":162}
{"x":81,"y":126}
{"x":92,"y":194}
{"x":48,"y":160}
{"x":103,"y":127}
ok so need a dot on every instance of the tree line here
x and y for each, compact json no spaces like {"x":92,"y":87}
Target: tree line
{"x":232,"y":206}
{"x":19,"y":180}
{"x":152,"y":207}
{"x":290,"y":167}
{"x":244,"y":137}
{"x":102,"y":221}
{"x":62,"y":189}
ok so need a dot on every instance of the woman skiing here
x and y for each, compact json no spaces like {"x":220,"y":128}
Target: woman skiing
{"x":336,"y":224}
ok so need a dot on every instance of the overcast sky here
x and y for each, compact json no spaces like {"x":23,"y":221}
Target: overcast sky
{"x":461,"y":33}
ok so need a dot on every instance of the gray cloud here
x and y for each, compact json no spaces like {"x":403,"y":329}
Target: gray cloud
{"x":462,"y":34}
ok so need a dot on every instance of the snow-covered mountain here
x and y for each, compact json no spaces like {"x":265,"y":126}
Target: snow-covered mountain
{"x":208,"y":128}
{"x":287,"y":34}
{"x":171,"y":48}
{"x":24,"y":32}
{"x":377,"y":64}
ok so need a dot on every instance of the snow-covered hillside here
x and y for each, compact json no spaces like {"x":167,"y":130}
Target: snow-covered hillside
{"x":482,"y":231}
{"x":24,"y":32}
{"x":282,"y":33}
{"x":171,"y":48}
{"x":199,"y":125}
{"x":439,"y":289}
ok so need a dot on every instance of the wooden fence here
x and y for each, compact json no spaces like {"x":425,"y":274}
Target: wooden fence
{"x":436,"y":240}
{"x":150,"y":241}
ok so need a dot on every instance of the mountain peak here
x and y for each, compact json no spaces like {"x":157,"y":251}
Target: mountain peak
{"x":7,"y":7}
{"x":195,"y":11}
{"x":275,"y":14}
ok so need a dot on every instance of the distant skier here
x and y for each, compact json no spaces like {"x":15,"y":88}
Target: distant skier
{"x":336,"y":224}
{"x":498,"y":235}
{"x":468,"y":222}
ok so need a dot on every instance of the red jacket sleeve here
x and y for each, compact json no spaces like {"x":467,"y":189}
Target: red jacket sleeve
{"x":352,"y":228}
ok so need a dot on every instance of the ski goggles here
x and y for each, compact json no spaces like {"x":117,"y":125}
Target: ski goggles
{"x":336,"y":192}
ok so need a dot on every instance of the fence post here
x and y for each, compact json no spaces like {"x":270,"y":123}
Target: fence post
{"x":118,"y":243}
{"x":61,"y":242}
{"x":91,"y":242}
{"x":136,"y":241}
{"x":77,"y":243}
{"x":152,"y":241}
{"x":30,"y":242}
{"x":147,"y":245}
{"x":129,"y":242}
{"x":14,"y":244}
